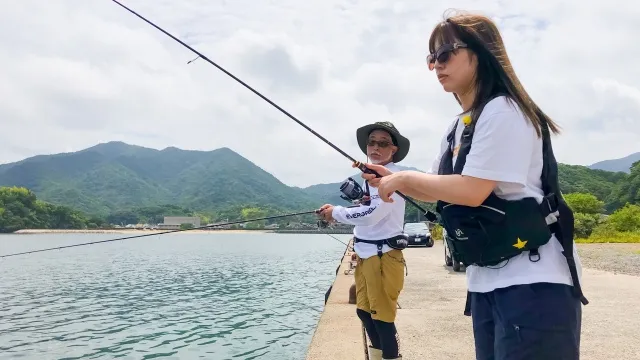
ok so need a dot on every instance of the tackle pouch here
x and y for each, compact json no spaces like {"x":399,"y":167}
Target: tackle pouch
{"x":494,"y":231}
{"x":399,"y":242}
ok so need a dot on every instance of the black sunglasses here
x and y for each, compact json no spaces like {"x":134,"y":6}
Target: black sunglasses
{"x":382,"y":144}
{"x":443,"y":54}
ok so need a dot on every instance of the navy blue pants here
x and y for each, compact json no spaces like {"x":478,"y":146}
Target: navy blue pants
{"x":527,"y":322}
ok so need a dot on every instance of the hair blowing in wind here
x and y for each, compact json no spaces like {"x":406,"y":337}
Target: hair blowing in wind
{"x":495,"y":73}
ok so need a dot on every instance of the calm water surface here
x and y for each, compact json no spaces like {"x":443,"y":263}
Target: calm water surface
{"x":175,"y":296}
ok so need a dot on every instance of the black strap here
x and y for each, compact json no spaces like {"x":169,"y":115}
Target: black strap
{"x":446,"y":161}
{"x":466,"y":138}
{"x":379,"y":243}
{"x":534,"y":255}
{"x":376,"y":242}
{"x":467,"y":305}
{"x":549,"y":205}
{"x":564,"y":233}
{"x":366,"y":198}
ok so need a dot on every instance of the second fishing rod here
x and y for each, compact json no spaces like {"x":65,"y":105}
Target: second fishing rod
{"x":213,"y":226}
{"x":362,"y":167}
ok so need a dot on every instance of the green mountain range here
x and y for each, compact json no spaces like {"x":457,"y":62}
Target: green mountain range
{"x":623,"y":164}
{"x":116,"y":176}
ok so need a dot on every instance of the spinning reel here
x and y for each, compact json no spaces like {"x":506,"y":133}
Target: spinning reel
{"x":354,"y":193}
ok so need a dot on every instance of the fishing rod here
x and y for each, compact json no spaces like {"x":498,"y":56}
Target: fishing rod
{"x":362,"y":167}
{"x":170,"y":231}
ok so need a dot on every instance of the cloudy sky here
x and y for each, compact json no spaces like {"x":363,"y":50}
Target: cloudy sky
{"x":74,"y":73}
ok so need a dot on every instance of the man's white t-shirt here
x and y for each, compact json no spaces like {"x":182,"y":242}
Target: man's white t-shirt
{"x":506,"y":149}
{"x":377,"y":221}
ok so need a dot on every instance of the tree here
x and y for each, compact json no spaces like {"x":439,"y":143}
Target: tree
{"x":584,"y":224}
{"x":584,"y":203}
{"x":254,"y":213}
{"x":20,"y":209}
{"x":186,"y":226}
{"x":123,"y":217}
{"x":626,"y":218}
{"x":628,"y":190}
{"x":204,"y":218}
{"x":97,"y":221}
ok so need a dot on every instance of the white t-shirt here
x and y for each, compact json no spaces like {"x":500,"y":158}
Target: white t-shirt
{"x":506,"y":149}
{"x":377,"y":221}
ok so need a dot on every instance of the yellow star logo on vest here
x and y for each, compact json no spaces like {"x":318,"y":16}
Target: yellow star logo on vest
{"x":520,"y":244}
{"x":466,"y":120}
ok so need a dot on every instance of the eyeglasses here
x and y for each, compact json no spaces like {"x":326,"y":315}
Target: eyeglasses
{"x":381,"y":144}
{"x":443,"y":54}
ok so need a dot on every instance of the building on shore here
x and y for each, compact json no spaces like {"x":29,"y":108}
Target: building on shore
{"x":174,"y":222}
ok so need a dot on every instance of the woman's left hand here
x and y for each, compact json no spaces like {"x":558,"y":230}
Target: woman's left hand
{"x":390,"y":184}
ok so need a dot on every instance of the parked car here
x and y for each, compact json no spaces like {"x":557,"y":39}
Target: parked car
{"x":449,"y":259}
{"x":418,"y":234}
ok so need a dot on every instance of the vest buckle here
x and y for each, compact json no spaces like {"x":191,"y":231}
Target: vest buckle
{"x":549,"y":204}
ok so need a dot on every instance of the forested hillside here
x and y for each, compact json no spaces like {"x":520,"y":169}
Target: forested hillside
{"x":115,"y":176}
{"x":121,"y":183}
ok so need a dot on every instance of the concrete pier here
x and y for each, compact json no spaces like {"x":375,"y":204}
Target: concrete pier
{"x":431,"y":324}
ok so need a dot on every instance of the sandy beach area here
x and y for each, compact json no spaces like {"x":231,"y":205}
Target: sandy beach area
{"x":133,"y":231}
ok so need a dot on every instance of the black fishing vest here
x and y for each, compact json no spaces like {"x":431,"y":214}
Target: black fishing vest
{"x":499,"y":229}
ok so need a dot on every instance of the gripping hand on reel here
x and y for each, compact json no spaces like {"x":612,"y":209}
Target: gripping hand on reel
{"x":373,"y":177}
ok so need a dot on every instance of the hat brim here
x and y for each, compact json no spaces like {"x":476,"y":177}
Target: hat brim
{"x":403,"y":144}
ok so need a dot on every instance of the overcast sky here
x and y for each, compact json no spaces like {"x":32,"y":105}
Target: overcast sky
{"x":74,"y":73}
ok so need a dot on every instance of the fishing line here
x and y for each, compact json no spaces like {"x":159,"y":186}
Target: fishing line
{"x":170,"y":231}
{"x":342,"y":242}
{"x":427,"y":214}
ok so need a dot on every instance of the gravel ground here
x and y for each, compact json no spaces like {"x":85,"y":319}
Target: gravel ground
{"x":617,"y":258}
{"x":431,"y":324}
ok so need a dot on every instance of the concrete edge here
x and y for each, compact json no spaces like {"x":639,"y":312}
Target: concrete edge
{"x":338,"y":334}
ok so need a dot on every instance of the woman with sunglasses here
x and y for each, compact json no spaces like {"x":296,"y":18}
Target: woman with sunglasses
{"x":522,"y":307}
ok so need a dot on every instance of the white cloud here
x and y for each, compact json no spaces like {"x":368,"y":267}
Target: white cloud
{"x":75,"y":73}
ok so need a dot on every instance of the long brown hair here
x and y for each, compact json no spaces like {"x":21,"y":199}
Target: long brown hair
{"x":494,"y":74}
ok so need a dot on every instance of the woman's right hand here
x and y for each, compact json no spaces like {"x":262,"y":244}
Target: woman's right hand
{"x":372,"y":178}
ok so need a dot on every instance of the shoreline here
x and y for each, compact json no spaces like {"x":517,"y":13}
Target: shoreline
{"x":131,"y":231}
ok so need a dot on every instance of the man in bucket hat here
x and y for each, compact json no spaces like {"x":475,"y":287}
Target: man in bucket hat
{"x":380,"y":272}
{"x":389,"y":135}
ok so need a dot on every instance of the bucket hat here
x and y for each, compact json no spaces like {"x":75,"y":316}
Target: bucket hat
{"x":403,"y":144}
